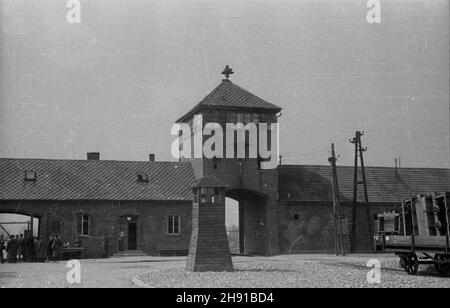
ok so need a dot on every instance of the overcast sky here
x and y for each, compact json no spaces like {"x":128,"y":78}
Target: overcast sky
{"x":117,"y":81}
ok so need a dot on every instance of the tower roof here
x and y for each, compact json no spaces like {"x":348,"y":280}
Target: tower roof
{"x":210,"y":181}
{"x":228,"y":95}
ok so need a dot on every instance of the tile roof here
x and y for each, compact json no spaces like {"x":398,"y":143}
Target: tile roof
{"x":229,"y":95}
{"x":210,"y":181}
{"x":312,"y":183}
{"x":94,"y":180}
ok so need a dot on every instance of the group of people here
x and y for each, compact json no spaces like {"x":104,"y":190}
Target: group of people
{"x":30,"y":248}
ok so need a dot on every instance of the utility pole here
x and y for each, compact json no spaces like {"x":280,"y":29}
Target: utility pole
{"x":337,"y":212}
{"x":359,"y":150}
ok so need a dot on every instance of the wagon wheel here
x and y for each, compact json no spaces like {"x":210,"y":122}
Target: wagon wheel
{"x":442,"y":268}
{"x":412,"y":264}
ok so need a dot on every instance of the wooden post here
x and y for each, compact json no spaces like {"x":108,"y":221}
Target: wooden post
{"x":366,"y":197}
{"x":404,"y":218}
{"x":336,"y":248}
{"x":339,"y":241}
{"x":359,"y":152}
{"x":355,"y":190}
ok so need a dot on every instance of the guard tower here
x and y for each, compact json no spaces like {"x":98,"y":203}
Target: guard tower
{"x":209,"y":250}
{"x":255,"y":188}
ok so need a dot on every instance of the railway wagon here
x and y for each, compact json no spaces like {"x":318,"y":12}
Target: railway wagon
{"x":418,"y":232}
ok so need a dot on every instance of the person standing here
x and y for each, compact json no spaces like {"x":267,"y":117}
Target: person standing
{"x":2,"y":247}
{"x":21,"y":249}
{"x":30,"y":248}
{"x":51,"y":240}
{"x":57,"y":248}
{"x":12,"y":249}
{"x":36,"y":247}
{"x":42,"y":250}
{"x":121,"y":240}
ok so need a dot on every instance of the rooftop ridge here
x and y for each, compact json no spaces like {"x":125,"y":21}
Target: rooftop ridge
{"x":366,"y":166}
{"x":96,"y":161}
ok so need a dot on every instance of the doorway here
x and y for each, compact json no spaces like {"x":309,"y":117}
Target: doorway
{"x":128,"y":225}
{"x":132,"y":236}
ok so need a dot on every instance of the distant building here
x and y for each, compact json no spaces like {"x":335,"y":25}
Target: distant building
{"x":288,"y":208}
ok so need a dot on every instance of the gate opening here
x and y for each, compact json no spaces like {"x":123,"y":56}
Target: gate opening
{"x":232,"y":224}
{"x":16,"y":224}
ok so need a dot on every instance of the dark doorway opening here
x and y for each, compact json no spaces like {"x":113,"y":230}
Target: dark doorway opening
{"x":132,"y":236}
{"x":128,"y":225}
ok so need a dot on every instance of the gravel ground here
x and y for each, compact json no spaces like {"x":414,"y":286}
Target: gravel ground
{"x":318,"y":270}
{"x":297,"y":271}
{"x":100,"y":273}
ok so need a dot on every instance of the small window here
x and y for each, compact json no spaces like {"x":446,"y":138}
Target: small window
{"x":296,"y":217}
{"x":173,"y":224}
{"x":256,"y":118}
{"x":30,"y":175}
{"x":247,"y":118}
{"x":240,"y":118}
{"x":142,"y":177}
{"x":83,"y":223}
{"x":215,"y":117}
{"x":231,"y":117}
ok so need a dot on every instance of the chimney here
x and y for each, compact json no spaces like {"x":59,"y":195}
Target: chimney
{"x":151,"y":157}
{"x":397,"y":164}
{"x":93,"y":156}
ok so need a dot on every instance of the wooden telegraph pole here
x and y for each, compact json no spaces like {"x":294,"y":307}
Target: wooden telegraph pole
{"x":337,"y":212}
{"x":359,"y":150}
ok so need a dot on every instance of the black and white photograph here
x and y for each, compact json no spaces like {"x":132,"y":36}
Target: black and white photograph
{"x":224,"y":149}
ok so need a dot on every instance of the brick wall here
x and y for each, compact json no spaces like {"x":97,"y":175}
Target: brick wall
{"x":313,"y":231}
{"x":152,"y":235}
{"x":209,"y":250}
{"x":243,"y":175}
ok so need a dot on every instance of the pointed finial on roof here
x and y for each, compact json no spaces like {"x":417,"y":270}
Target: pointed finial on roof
{"x":227,"y":72}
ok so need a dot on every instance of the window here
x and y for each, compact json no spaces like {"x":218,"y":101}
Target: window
{"x":173,"y":224}
{"x":207,"y":194}
{"x":240,"y":118}
{"x":256,"y":118}
{"x":215,"y":116}
{"x":231,"y":117}
{"x":247,"y":118}
{"x":83,"y":224}
{"x":296,"y":217}
{"x":30,"y":175}
{"x":142,"y":177}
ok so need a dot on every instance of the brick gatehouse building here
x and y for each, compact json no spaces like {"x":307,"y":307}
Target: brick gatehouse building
{"x":285,"y":209}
